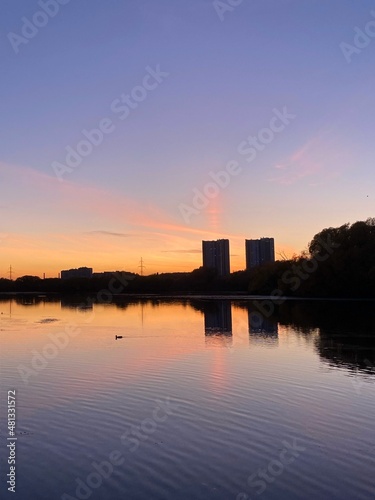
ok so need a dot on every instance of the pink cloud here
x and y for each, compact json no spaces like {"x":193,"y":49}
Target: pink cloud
{"x":62,"y":200}
{"x":317,"y":161}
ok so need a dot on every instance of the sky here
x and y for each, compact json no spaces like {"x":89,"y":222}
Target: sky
{"x":135,"y":128}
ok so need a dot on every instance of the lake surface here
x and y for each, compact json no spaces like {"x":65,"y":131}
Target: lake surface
{"x":199,"y":399}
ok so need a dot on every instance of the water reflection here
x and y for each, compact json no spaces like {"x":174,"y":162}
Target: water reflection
{"x":235,"y":406}
{"x":346,"y":330}
{"x":342,"y":333}
{"x":218,"y":323}
{"x":264,"y":330}
{"x":28,"y":299}
{"x":218,"y":317}
{"x":77,"y":303}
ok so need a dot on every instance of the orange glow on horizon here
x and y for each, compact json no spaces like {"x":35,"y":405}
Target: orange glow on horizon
{"x":107,"y":236}
{"x":35,"y":255}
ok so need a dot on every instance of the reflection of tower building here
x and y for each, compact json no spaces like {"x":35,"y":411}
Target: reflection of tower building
{"x":218,"y":334}
{"x":218,"y":322}
{"x":259,"y":252}
{"x":216,"y":256}
{"x":218,"y":317}
{"x":261,"y":328}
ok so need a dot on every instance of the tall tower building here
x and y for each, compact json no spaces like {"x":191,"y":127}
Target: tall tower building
{"x":259,"y":252}
{"x":216,"y":256}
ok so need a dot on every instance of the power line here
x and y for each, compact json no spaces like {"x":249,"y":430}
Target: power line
{"x":142,"y":266}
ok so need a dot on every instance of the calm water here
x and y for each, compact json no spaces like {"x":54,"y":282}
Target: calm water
{"x":199,"y":400}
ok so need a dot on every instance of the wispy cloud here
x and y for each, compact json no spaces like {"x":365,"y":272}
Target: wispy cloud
{"x":110,"y":233}
{"x":60,"y":200}
{"x":61,"y":225}
{"x":317,"y":161}
{"x":193,"y":250}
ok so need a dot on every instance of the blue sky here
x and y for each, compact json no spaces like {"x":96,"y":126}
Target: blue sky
{"x":225,"y":79}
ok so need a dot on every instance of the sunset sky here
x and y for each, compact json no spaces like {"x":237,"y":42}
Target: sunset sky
{"x":201,"y":80}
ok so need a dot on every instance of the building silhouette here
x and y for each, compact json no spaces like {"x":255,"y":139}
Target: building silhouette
{"x":259,"y":252}
{"x":216,"y":256}
{"x":104,"y":274}
{"x":82,"y":272}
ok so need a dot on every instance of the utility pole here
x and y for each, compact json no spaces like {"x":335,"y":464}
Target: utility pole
{"x":10,"y":272}
{"x":142,"y":266}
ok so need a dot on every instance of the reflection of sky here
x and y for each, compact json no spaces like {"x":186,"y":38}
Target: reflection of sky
{"x":155,"y":337}
{"x":236,"y":405}
{"x":225,"y":80}
{"x":164,"y":331}
{"x":158,"y":341}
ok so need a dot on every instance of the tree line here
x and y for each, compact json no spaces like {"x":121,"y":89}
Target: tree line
{"x":339,"y":262}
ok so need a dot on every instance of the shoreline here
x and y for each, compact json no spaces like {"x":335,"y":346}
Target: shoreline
{"x":199,"y":296}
